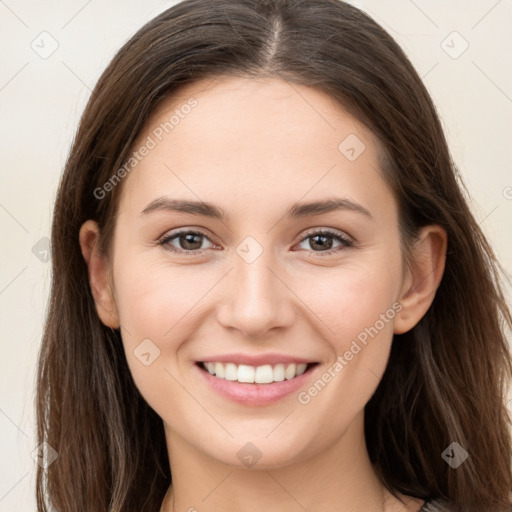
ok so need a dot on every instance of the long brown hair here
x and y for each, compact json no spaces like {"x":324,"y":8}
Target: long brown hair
{"x":446,"y":378}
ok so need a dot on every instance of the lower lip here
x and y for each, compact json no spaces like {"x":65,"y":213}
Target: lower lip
{"x":255,"y":394}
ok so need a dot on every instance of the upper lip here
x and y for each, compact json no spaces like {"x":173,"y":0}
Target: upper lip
{"x":256,"y":360}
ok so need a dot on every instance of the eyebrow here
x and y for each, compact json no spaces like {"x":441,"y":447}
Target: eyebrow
{"x":296,"y":210}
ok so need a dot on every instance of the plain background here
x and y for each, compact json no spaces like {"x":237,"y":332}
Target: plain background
{"x":42,"y":97}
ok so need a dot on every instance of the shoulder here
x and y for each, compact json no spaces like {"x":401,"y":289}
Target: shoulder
{"x":438,"y":505}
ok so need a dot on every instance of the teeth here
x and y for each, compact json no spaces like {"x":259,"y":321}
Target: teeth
{"x":301,"y":368}
{"x":289,"y":373}
{"x":279,"y":372}
{"x":244,"y":374}
{"x":219,"y":370}
{"x":231,"y":371}
{"x":264,"y":374}
{"x":260,"y":375}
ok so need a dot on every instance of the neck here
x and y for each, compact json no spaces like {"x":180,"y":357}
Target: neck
{"x":340,"y":477}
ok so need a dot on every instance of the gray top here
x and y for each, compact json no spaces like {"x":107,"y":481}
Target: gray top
{"x":435,"y":506}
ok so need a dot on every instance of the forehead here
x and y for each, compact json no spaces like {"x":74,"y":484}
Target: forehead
{"x":259,"y":140}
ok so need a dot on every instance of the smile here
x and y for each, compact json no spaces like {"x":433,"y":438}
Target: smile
{"x":255,"y":386}
{"x":264,"y":374}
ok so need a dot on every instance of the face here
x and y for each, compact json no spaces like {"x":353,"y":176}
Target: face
{"x":258,"y":279}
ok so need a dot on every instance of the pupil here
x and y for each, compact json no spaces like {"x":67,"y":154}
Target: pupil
{"x":323,"y":245}
{"x":189,"y":239}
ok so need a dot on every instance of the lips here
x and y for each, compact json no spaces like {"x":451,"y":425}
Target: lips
{"x":267,"y":380}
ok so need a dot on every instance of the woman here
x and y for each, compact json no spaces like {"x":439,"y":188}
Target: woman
{"x":269,"y":292}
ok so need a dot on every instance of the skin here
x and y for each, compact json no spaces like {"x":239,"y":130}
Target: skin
{"x":255,"y":147}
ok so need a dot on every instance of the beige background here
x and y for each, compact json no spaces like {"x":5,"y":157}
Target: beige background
{"x":42,"y":96}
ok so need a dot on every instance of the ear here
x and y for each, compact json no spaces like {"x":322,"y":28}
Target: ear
{"x":99,"y":277}
{"x":422,"y":278}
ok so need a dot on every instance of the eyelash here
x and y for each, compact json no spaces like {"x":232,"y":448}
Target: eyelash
{"x":345,"y":242}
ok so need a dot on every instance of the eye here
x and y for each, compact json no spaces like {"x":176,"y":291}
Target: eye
{"x":324,"y":241}
{"x":188,"y":241}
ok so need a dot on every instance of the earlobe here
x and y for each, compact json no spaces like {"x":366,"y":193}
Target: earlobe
{"x":422,"y":278}
{"x":98,"y":270}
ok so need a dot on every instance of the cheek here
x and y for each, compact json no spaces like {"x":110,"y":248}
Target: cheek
{"x":357,"y":307}
{"x":154,"y":302}
{"x":158,"y":306}
{"x":366,"y":311}
{"x":361,"y":308}
{"x":354,"y":301}
{"x":154,"y":295}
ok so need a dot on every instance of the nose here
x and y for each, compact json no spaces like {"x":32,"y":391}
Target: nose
{"x":257,"y":298}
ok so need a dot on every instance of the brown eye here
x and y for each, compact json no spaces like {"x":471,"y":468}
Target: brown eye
{"x":322,"y":242}
{"x":184,"y":241}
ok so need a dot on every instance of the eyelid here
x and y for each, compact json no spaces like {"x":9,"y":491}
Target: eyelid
{"x":331,"y":231}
